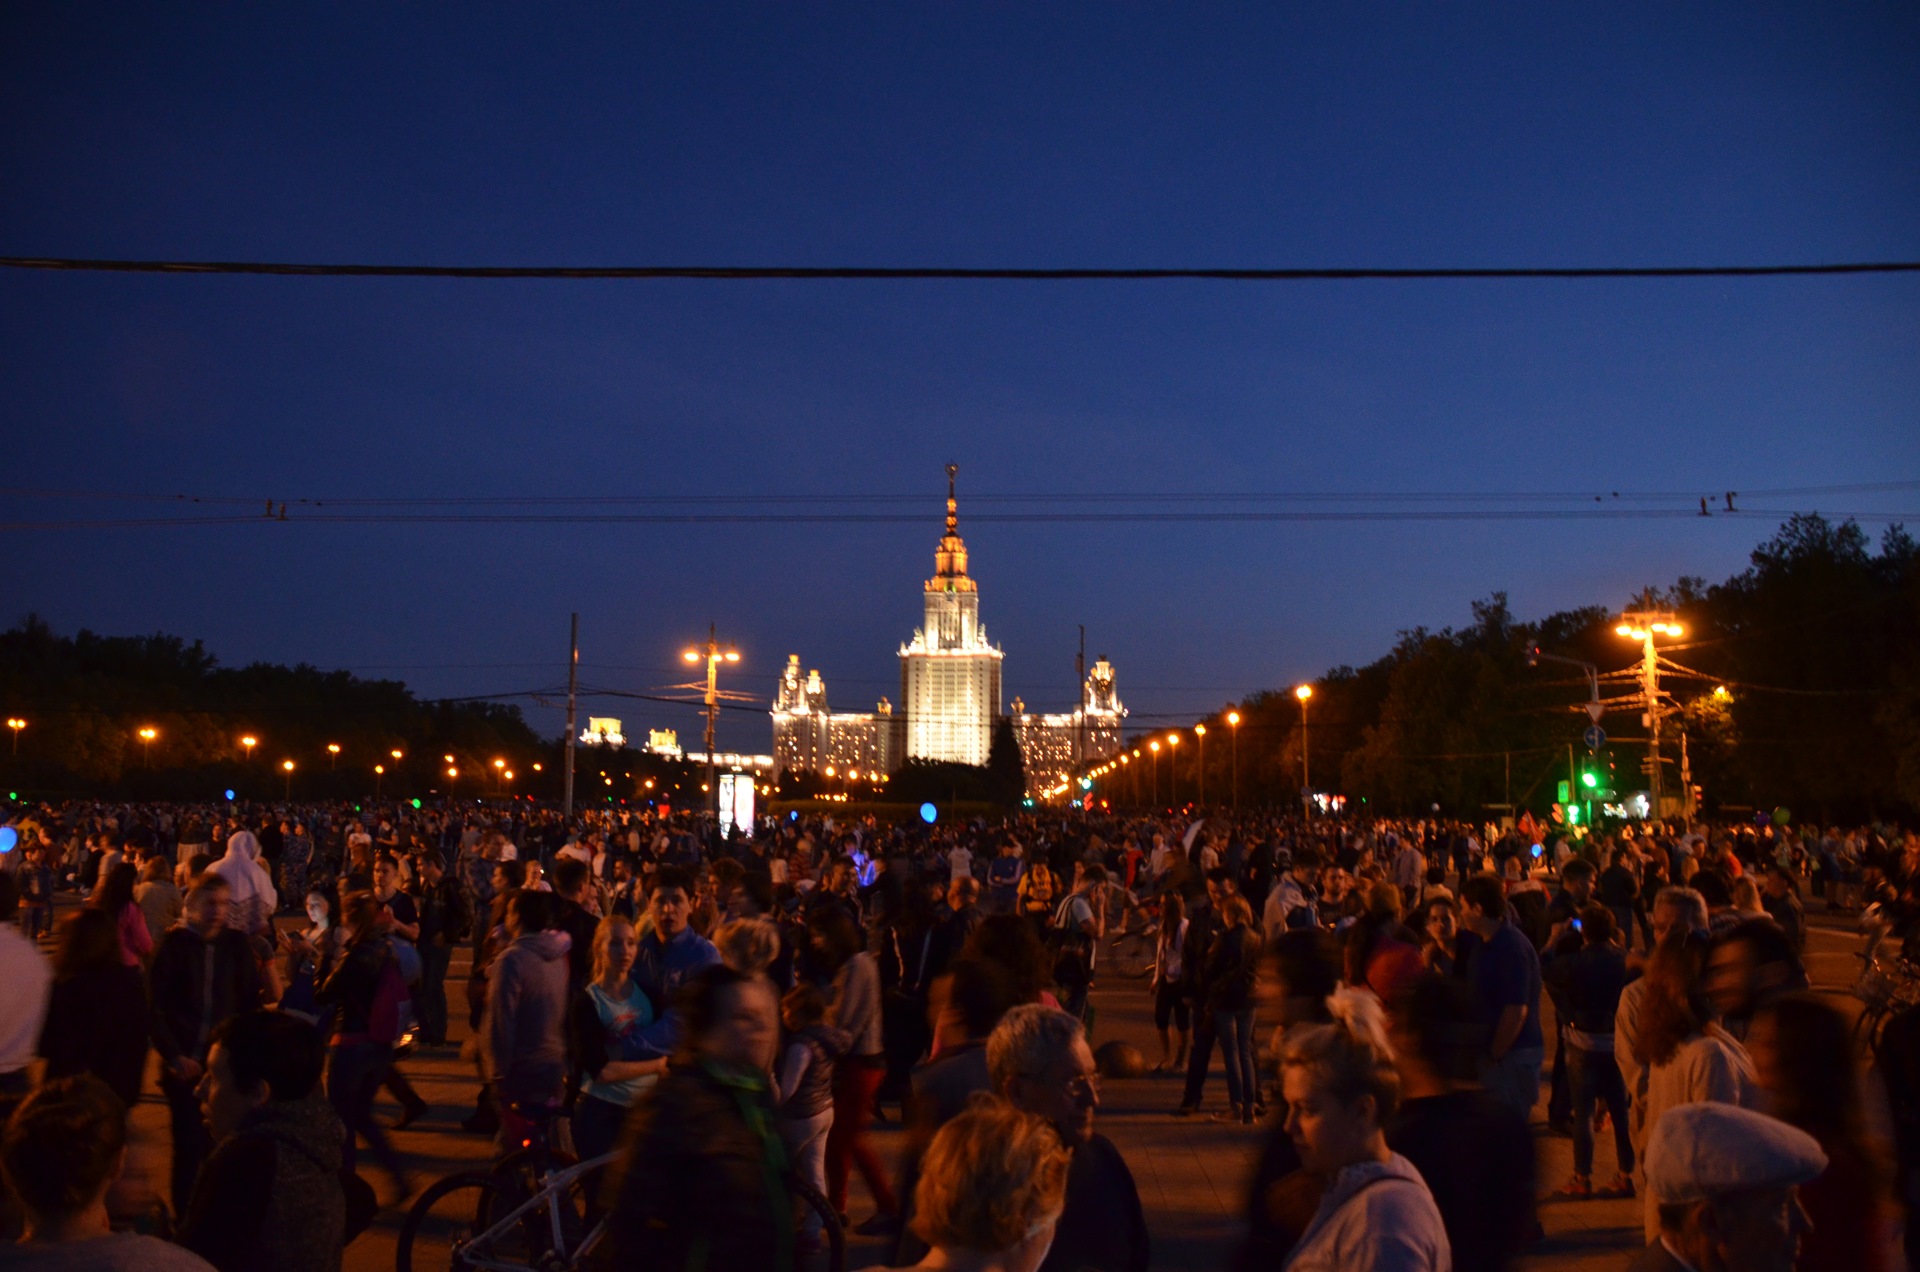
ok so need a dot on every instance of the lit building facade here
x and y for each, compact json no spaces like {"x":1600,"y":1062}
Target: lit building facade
{"x":950,"y":686}
{"x":949,"y":671}
{"x":809,"y":737}
{"x":1056,"y":745}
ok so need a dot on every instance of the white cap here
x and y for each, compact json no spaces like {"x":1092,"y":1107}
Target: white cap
{"x":1698,"y":1151}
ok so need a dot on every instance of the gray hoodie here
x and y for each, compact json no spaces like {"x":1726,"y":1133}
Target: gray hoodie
{"x":524,"y":1038}
{"x":269,"y":1199}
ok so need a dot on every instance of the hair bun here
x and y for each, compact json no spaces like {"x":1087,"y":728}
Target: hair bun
{"x":1360,"y":1015}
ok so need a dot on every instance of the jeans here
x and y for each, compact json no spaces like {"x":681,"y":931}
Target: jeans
{"x":1514,"y":1079}
{"x":806,"y":1141}
{"x":1198,"y":1059}
{"x":354,"y":1075}
{"x":192,"y":1142}
{"x":430,"y":995}
{"x":1235,"y":1030}
{"x":1595,"y":1077}
{"x":849,"y":1142}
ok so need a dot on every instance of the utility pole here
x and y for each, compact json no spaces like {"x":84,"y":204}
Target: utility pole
{"x":573,"y":677}
{"x":1643,"y":626}
{"x":1686,"y":782}
{"x":1080,"y":713}
{"x":714,"y":656}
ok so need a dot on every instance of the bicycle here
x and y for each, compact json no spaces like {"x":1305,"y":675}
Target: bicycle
{"x":526,"y":1211}
{"x":502,"y":1220}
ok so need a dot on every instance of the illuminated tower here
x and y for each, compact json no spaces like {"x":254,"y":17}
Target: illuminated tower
{"x":949,"y":673}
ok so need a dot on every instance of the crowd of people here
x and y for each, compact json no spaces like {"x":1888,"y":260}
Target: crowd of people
{"x":723,"y":1020}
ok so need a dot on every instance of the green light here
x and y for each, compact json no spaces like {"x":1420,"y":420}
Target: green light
{"x":13,"y":795}
{"x":416,"y":803}
{"x":1589,"y":781}
{"x":1573,"y":814}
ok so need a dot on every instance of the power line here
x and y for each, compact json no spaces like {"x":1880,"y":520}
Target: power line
{"x":804,"y":273}
{"x":1000,"y":518}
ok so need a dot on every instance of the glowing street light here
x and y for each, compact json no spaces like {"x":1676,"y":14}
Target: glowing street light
{"x":16,"y":724}
{"x":1154,"y":789}
{"x":397,"y":754}
{"x":1643,"y":626}
{"x":287,"y":767}
{"x":1233,"y":722}
{"x":379,"y":772}
{"x":1305,"y":694}
{"x":147,"y":735}
{"x":1173,"y":770}
{"x":714,"y":656}
{"x":333,"y":755}
{"x":249,"y":742}
{"x":1200,"y":734}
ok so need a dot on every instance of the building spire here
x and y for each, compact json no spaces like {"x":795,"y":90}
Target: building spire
{"x":953,"y":504}
{"x":950,"y":558}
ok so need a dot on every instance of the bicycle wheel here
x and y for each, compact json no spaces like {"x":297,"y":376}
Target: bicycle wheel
{"x":452,"y":1220}
{"x":1132,"y":955}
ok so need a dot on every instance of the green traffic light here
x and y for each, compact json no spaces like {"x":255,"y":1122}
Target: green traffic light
{"x":1589,"y":781}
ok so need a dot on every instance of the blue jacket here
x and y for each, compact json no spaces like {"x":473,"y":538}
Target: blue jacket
{"x":661,"y":968}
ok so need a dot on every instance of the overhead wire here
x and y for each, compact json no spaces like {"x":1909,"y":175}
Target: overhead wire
{"x":927,"y":273}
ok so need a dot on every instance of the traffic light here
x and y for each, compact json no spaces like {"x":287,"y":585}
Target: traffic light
{"x":1590,"y":779}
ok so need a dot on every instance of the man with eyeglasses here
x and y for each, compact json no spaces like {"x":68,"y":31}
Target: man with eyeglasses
{"x":1039,"y":1062}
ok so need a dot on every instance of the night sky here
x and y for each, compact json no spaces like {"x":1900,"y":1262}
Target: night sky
{"x":1047,"y":135}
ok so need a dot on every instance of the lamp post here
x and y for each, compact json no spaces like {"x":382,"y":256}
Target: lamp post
{"x":247,"y":744}
{"x":1305,"y":694}
{"x":379,"y":772}
{"x":499,"y":780}
{"x":16,"y":724}
{"x":287,"y":767}
{"x":333,"y":756}
{"x":1643,"y":626}
{"x":714,"y":657}
{"x":1155,"y":748}
{"x":1173,"y":769}
{"x":147,"y":735}
{"x":1233,"y":724}
{"x":1200,"y":734}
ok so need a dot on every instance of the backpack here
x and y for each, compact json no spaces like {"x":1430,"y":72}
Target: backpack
{"x":1072,"y":964}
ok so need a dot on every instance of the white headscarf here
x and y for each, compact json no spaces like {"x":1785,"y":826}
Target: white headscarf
{"x":254,"y":897}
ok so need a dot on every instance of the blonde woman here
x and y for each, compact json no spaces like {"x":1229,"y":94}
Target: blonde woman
{"x":992,"y":1186}
{"x":748,"y":946}
{"x":1341,"y":1088}
{"x":607,"y":1048}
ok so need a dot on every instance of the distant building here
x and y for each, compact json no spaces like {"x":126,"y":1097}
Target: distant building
{"x":950,"y":677}
{"x":809,"y":737}
{"x":1055,"y":745}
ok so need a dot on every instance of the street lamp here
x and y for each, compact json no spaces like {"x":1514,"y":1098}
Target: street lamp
{"x":1173,"y":770}
{"x":499,"y":767}
{"x":147,"y":735}
{"x":714,"y":656}
{"x":16,"y":724}
{"x":1155,"y":748}
{"x":379,"y":772}
{"x":397,"y":755}
{"x":249,"y":742}
{"x":1233,"y":721}
{"x":1200,"y":733}
{"x":1305,"y":693}
{"x":333,"y":755}
{"x":1643,"y":626}
{"x":287,"y":767}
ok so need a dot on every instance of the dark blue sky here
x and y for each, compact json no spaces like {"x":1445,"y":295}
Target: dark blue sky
{"x":957,"y":135}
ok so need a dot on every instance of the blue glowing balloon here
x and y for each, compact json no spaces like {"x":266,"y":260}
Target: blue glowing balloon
{"x":929,"y":814}
{"x":8,"y":838}
{"x":1538,"y":851}
{"x":229,"y":796}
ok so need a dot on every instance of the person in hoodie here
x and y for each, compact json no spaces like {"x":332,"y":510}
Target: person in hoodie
{"x":203,"y":972}
{"x":523,"y":1040}
{"x":270,"y":1197}
{"x":253,"y":899}
{"x":1341,"y":1088}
